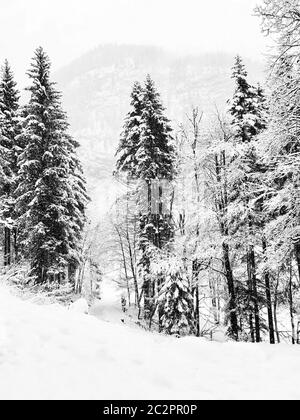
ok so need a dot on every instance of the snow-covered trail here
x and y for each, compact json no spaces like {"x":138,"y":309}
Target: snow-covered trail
{"x":48,"y":352}
{"x":109,"y":308}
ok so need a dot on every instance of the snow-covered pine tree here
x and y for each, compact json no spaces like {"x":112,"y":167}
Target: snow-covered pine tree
{"x":175,"y":303}
{"x":156,"y":153}
{"x":9,"y":149}
{"x":156,"y":157}
{"x":247,"y":107}
{"x":146,"y":150}
{"x":248,"y":119}
{"x":127,"y":165}
{"x":130,"y":137}
{"x":51,"y":192}
{"x":147,"y":154}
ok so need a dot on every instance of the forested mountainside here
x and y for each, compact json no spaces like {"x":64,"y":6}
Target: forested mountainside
{"x":97,"y":88}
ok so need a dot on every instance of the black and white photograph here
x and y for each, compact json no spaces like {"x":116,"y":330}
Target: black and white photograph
{"x":149,"y":203}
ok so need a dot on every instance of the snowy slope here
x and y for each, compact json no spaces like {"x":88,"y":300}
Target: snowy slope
{"x":50,"y":352}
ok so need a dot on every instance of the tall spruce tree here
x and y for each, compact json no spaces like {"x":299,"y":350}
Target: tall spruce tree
{"x":156,"y":158}
{"x":9,"y":150}
{"x":147,"y":153}
{"x":248,"y":119}
{"x":156,"y":153}
{"x":247,"y":108}
{"x":51,"y":192}
{"x":130,"y":137}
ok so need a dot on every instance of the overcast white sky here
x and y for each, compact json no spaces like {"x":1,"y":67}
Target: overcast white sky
{"x":68,"y":28}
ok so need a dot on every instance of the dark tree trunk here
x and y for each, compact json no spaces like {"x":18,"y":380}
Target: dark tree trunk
{"x":275,"y":311}
{"x":7,"y":247}
{"x":159,"y":235}
{"x":269,"y":299}
{"x":72,"y":273}
{"x":297,"y":255}
{"x":251,"y":326}
{"x":214,"y":300}
{"x":221,"y":205}
{"x":16,"y":248}
{"x":196,"y":269}
{"x":135,"y":282}
{"x":250,"y":293}
{"x":231,"y":291}
{"x":197,"y":311}
{"x":253,"y":292}
{"x":149,"y":293}
{"x":291,"y":303}
{"x":269,"y":307}
{"x":182,"y":223}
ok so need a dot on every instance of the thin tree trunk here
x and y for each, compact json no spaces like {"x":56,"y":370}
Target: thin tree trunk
{"x":269,"y":298}
{"x":297,"y":255}
{"x":196,"y":297}
{"x":221,"y":206}
{"x":218,"y":302}
{"x":269,"y":308}
{"x":275,"y":310}
{"x":16,"y":250}
{"x":213,"y":299}
{"x":7,"y":247}
{"x":139,"y":304}
{"x":251,"y":326}
{"x":124,"y":265}
{"x":231,"y":290}
{"x":291,"y":303}
{"x":131,"y":257}
{"x":148,"y":286}
{"x":252,"y":281}
{"x":197,"y":311}
{"x":250,"y":293}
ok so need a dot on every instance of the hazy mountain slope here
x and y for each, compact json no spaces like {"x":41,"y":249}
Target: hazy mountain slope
{"x":96,"y":89}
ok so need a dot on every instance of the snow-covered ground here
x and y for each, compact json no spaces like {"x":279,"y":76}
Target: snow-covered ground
{"x":50,"y":352}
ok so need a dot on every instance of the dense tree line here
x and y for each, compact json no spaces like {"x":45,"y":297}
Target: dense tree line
{"x":230,"y":254}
